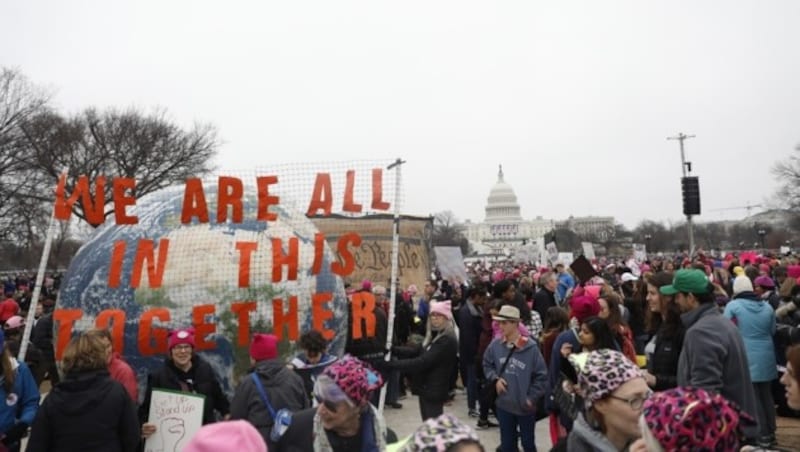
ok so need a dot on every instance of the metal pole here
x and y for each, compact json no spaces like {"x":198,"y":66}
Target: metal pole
{"x":397,"y":165}
{"x":37,"y":289}
{"x":684,"y":167}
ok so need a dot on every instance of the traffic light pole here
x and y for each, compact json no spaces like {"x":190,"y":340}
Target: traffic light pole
{"x":686,"y":168}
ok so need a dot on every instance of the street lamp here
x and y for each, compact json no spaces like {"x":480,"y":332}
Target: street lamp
{"x":647,"y":239}
{"x":762,"y":233}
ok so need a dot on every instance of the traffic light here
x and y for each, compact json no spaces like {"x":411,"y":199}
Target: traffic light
{"x":691,"y":195}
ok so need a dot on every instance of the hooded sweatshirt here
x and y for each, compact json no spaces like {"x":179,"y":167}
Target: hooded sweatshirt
{"x":526,"y":374}
{"x":586,"y":439}
{"x":755,"y":319}
{"x":87,"y":411}
{"x":283,"y":387}
{"x":23,"y":400}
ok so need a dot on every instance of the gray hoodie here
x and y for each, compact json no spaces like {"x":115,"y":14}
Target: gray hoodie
{"x":526,"y":374}
{"x":586,"y":439}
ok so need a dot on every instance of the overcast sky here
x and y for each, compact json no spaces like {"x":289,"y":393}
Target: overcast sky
{"x":574,"y":98}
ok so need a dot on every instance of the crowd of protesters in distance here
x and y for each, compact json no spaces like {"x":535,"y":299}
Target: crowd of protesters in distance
{"x":665,"y":354}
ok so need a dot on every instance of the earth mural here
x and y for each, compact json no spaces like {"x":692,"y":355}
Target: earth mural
{"x":202,"y":267}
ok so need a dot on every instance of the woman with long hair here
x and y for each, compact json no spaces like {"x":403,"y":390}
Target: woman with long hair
{"x":21,"y":393}
{"x":611,"y":312}
{"x":431,"y":370}
{"x":87,"y":410}
{"x":664,"y":320}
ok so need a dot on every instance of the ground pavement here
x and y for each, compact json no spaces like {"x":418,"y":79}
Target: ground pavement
{"x":405,"y":420}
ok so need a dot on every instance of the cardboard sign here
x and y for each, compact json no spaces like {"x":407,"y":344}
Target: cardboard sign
{"x":588,"y":250}
{"x":566,"y":258}
{"x":639,"y":252}
{"x":450,"y":263}
{"x":552,"y":252}
{"x":177,"y":417}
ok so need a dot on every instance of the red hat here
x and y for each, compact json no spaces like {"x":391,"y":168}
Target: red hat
{"x":264,"y":346}
{"x":582,"y":307}
{"x":181,"y":336}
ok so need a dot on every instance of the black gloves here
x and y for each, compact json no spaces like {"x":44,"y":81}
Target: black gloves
{"x":15,"y":433}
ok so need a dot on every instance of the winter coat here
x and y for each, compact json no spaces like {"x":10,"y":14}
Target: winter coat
{"x":756,"y":322}
{"x":664,"y":362}
{"x":526,"y":374}
{"x":122,"y":372}
{"x":432,"y":370}
{"x":468,"y":318}
{"x":283,"y":387}
{"x":87,"y":411}
{"x":542,"y":301}
{"x":203,"y":381}
{"x":713,"y":358}
{"x":26,"y":402}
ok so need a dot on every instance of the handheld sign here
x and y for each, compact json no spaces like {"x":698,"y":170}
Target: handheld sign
{"x":177,"y":417}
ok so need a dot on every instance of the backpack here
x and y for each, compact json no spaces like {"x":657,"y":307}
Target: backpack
{"x":281,"y":420}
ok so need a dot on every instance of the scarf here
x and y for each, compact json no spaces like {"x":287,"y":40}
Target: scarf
{"x":372,"y":440}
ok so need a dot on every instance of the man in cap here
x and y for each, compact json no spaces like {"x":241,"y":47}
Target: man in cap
{"x":713,"y":355}
{"x":515,"y":365}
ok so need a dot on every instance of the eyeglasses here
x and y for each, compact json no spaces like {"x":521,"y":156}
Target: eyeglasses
{"x":330,"y":406}
{"x":636,"y":402}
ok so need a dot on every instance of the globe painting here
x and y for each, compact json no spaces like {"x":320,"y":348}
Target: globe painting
{"x":202,"y":282}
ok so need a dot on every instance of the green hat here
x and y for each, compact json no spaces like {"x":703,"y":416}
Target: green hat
{"x":688,"y":281}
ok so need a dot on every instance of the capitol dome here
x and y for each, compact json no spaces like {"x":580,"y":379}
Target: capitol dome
{"x":502,"y":206}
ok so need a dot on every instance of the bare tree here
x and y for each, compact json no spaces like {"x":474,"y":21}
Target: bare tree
{"x":447,"y":231}
{"x":147,"y":147}
{"x":788,"y":174}
{"x":19,"y":101}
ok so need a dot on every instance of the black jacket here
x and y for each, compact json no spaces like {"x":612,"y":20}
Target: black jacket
{"x":469,"y":331}
{"x":367,"y":348}
{"x":203,"y":381}
{"x":664,"y":362}
{"x":42,"y":336}
{"x":432,"y":370}
{"x":542,"y":301}
{"x":86,"y":412}
{"x":283,"y":387}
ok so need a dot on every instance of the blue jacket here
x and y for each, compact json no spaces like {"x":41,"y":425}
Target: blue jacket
{"x":565,"y":283}
{"x":526,"y":374}
{"x":756,"y":321}
{"x":26,"y":398}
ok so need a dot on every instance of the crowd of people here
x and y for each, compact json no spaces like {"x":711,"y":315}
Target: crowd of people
{"x":688,"y":354}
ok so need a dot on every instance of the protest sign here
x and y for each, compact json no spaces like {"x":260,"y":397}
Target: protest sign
{"x":588,"y":250}
{"x":177,"y":417}
{"x":450,"y":263}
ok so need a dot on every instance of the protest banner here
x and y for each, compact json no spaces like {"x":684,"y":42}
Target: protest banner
{"x":230,"y":256}
{"x":373,"y":257}
{"x":177,"y":417}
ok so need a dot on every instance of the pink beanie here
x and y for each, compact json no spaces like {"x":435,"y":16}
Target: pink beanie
{"x":443,"y":308}
{"x":227,"y":435}
{"x":181,"y":336}
{"x":264,"y":346}
{"x":412,"y":289}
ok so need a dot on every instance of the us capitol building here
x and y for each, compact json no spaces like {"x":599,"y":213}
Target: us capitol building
{"x":504,"y":228}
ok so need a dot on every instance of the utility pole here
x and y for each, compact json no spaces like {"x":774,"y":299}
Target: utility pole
{"x":686,"y":169}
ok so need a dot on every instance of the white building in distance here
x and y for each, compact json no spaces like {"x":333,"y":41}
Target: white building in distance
{"x":504,"y":229}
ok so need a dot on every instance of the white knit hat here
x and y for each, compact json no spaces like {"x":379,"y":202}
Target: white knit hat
{"x":742,"y":284}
